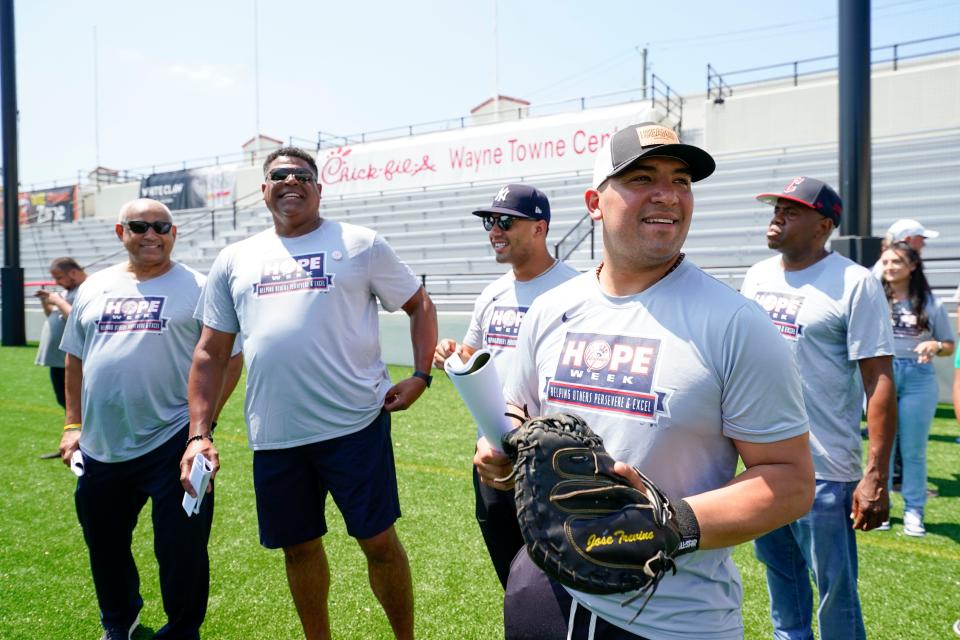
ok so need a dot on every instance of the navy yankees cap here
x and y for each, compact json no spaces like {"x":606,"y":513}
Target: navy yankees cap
{"x":521,"y":201}
{"x":812,"y":193}
{"x":645,"y":140}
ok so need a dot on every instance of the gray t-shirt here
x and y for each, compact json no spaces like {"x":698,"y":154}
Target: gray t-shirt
{"x":669,"y":378}
{"x":832,"y":314}
{"x":501,"y":307}
{"x":48,"y":352}
{"x":306,"y":308}
{"x":136,"y":341}
{"x":907,"y":335}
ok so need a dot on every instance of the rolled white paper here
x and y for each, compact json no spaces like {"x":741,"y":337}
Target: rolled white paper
{"x":479,"y":386}
{"x":76,"y":463}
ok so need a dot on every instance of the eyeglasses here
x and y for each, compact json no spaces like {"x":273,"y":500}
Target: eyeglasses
{"x":141,"y":226}
{"x":504,"y":222}
{"x":302,"y":175}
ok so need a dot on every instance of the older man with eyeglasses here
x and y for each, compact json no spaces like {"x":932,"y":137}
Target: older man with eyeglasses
{"x":304,"y":297}
{"x":517,"y":222}
{"x":129,"y":342}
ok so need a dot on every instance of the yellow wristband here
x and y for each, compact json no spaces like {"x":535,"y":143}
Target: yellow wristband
{"x":72,"y":427}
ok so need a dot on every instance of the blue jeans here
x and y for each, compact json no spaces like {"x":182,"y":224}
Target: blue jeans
{"x":821,"y":542}
{"x":917,"y":394}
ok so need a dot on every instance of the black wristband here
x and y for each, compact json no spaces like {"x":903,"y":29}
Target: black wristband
{"x":688,"y":526}
{"x":198,"y":437}
{"x":426,"y":377}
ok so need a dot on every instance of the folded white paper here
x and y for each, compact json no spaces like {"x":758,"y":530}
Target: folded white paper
{"x":479,"y":386}
{"x":199,"y":478}
{"x":76,"y":463}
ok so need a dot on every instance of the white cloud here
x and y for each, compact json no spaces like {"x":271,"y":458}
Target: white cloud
{"x":217,"y":76}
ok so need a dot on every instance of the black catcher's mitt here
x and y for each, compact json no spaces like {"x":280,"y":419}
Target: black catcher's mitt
{"x":585,"y":525}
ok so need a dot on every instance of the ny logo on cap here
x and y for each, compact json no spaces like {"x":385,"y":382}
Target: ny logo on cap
{"x":502,"y":194}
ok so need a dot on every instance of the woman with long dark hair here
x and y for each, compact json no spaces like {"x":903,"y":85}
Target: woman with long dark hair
{"x":921,"y":331}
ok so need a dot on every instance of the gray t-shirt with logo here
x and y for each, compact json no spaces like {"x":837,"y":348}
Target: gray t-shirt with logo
{"x":499,"y":311}
{"x":669,"y":378}
{"x":907,"y":335}
{"x":831,"y":314}
{"x":306,"y":308}
{"x":136,"y":341}
{"x":48,"y":351}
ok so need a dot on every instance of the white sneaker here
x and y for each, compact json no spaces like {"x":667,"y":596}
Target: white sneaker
{"x":884,"y":526}
{"x":913,"y":524}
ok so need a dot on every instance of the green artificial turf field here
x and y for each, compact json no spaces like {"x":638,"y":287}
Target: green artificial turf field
{"x":910,"y":587}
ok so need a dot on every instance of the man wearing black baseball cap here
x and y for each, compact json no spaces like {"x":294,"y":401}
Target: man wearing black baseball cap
{"x":835,"y":317}
{"x":680,"y":376}
{"x":516,"y":222}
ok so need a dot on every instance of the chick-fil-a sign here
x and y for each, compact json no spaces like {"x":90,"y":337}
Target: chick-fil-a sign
{"x":337,"y":168}
{"x":549,"y":144}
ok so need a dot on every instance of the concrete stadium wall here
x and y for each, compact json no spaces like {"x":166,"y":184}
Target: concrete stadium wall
{"x":107,"y":202}
{"x":918,"y":96}
{"x":395,"y":341}
{"x":395,"y":345}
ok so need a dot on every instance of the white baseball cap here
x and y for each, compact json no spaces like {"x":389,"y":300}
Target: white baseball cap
{"x":907,"y":228}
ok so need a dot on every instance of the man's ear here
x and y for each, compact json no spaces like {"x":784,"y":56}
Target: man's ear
{"x":827,"y":225}
{"x":118,"y":228}
{"x":591,"y":198}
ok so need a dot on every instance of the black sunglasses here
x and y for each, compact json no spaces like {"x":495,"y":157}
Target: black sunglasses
{"x":141,"y":226}
{"x":302,"y":175}
{"x":504,"y":222}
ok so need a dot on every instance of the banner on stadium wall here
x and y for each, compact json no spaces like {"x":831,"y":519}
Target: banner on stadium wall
{"x":547,"y":144}
{"x":47,"y":205}
{"x":207,"y":187}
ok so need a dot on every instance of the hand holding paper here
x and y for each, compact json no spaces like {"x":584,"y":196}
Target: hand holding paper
{"x":477,"y":382}
{"x":199,"y":478}
{"x":76,"y":463}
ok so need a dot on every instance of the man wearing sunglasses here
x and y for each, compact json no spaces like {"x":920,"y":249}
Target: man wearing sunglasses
{"x":680,"y":377}
{"x":304,"y":297}
{"x":516,"y":223}
{"x":129,"y":341}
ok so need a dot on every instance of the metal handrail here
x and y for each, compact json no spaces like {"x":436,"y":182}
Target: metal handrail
{"x":327,"y":139}
{"x":715,"y":80}
{"x":590,"y":232}
{"x":669,"y":99}
{"x":716,"y":83}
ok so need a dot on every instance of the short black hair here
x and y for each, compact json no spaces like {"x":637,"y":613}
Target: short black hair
{"x":65,"y":264}
{"x":291,"y":152}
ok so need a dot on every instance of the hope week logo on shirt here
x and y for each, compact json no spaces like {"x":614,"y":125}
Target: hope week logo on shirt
{"x":289,"y":274}
{"x":610,"y":373}
{"x":504,"y":326}
{"x":121,"y":315}
{"x":783,"y":310}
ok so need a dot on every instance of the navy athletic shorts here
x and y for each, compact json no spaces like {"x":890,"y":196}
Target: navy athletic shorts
{"x":358,"y":470}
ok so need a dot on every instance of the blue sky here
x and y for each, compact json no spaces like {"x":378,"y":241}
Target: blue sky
{"x":177,"y":80}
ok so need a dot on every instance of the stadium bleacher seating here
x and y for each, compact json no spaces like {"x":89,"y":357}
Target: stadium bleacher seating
{"x":915,"y":176}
